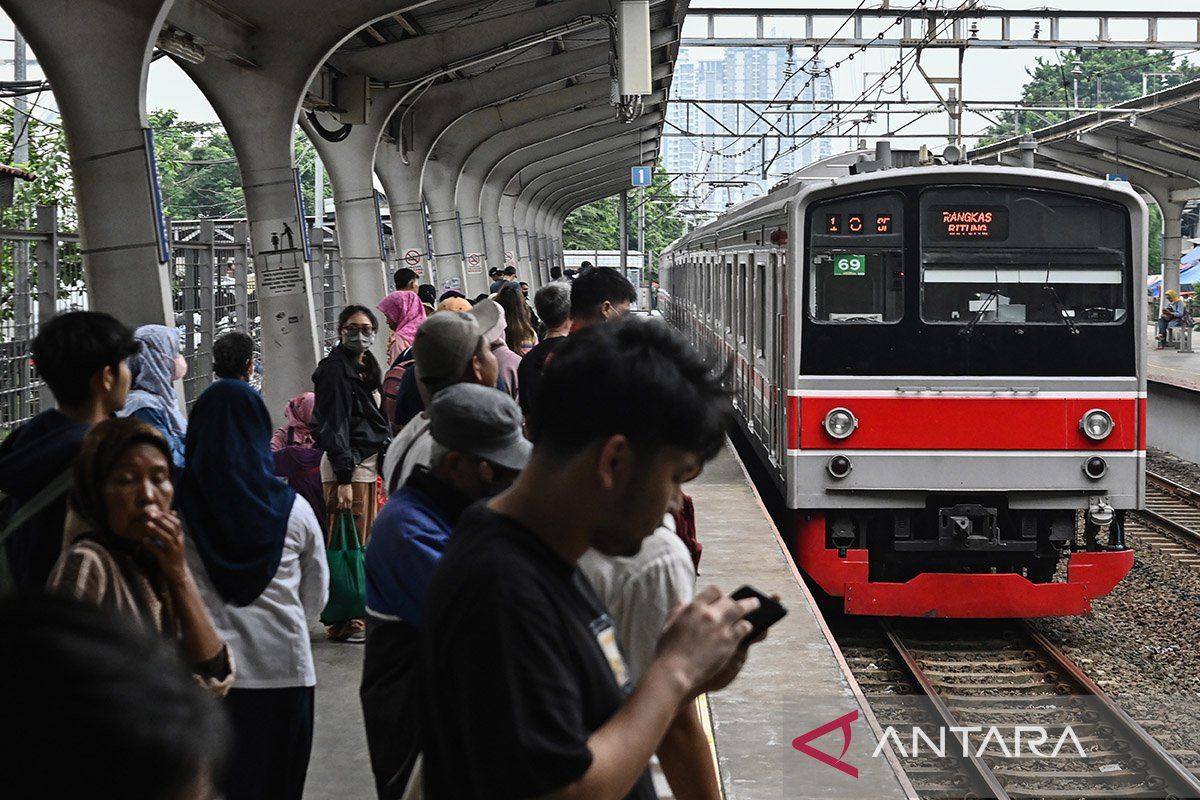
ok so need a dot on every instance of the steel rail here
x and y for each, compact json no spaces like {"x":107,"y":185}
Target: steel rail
{"x":1158,"y":763}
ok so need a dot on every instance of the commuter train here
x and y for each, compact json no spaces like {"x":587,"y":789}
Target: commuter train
{"x":943,"y":370}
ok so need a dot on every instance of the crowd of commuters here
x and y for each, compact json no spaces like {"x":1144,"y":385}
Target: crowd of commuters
{"x":528,"y":597}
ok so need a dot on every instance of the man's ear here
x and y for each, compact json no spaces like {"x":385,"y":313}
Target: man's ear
{"x":614,"y":462}
{"x":104,"y":380}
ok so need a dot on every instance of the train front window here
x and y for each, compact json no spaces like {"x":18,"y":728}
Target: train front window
{"x":860,"y":287}
{"x":1009,"y":256}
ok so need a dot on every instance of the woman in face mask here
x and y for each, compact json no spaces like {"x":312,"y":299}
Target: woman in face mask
{"x":152,"y":399}
{"x":352,"y":430}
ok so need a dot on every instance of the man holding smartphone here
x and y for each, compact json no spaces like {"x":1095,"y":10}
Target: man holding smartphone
{"x":526,"y":690}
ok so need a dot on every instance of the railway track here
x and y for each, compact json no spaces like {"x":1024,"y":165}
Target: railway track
{"x":1171,"y":520}
{"x":997,"y":680}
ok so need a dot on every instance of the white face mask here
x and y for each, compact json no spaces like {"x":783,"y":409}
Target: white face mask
{"x":180,"y":369}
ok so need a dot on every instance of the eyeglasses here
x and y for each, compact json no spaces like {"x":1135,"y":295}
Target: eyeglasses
{"x":367,"y":329}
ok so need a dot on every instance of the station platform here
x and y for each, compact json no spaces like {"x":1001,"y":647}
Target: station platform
{"x":1173,"y":368}
{"x":794,"y":682}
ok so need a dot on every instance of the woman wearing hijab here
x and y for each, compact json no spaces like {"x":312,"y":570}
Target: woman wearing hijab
{"x":259,"y":559}
{"x":297,"y":456}
{"x":155,"y":367}
{"x":129,"y":557}
{"x":404,"y":313}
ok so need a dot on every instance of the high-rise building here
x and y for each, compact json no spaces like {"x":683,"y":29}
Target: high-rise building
{"x":754,"y":75}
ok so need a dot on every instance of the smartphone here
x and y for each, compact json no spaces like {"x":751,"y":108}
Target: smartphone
{"x":767,"y":614}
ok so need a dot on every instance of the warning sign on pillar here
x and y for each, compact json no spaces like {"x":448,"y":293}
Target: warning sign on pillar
{"x":510,"y":260}
{"x":279,"y":264}
{"x":452,"y":283}
{"x":474,"y":263}
{"x":278,"y":274}
{"x":412,"y":257}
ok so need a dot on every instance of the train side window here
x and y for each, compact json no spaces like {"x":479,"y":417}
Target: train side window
{"x":727,"y":269}
{"x":741,"y":302}
{"x":863,"y":287}
{"x":760,"y":310}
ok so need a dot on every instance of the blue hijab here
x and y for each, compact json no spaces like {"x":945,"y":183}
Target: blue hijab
{"x":152,"y":367}
{"x":235,"y":508}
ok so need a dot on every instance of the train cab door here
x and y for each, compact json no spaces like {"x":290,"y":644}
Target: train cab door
{"x":759,"y":346}
{"x":778,"y":358}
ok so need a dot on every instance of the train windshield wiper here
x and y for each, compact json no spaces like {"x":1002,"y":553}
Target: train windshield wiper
{"x":992,"y":297}
{"x":1062,"y":308}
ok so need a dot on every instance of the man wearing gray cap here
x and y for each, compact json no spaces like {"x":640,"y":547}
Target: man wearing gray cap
{"x":449,"y":348}
{"x":477,"y":450}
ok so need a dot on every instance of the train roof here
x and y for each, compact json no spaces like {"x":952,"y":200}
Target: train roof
{"x":776,"y":201}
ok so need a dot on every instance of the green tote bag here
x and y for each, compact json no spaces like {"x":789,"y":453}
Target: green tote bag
{"x":347,"y":575}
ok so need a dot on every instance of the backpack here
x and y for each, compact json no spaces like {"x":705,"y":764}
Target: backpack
{"x":390,"y":389}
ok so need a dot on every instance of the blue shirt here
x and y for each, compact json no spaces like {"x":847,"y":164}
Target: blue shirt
{"x":407,"y":541}
{"x":157,"y":419}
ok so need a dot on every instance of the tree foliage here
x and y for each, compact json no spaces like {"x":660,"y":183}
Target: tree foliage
{"x":1107,"y":77}
{"x":596,"y":226}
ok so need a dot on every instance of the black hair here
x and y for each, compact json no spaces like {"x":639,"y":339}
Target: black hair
{"x":112,"y":698}
{"x":403,"y":277}
{"x":634,"y":377}
{"x":427,"y":293}
{"x":479,"y":298}
{"x":553,"y":303}
{"x":495,"y":272}
{"x":232,"y":352}
{"x":71,"y":348}
{"x":351,"y":310}
{"x":510,"y":270}
{"x":446,"y":295}
{"x":590,"y":289}
{"x":585,"y":265}
{"x":555,"y":273}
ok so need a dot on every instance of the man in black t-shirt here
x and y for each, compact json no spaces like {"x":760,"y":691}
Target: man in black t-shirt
{"x":526,"y":692}
{"x":553,"y":303}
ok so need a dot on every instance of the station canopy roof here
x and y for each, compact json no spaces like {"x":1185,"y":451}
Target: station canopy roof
{"x":1152,"y":141}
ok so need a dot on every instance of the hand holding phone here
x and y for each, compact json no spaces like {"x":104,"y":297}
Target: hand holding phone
{"x":769,"y":611}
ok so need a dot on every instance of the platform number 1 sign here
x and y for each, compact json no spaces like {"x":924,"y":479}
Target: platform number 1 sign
{"x":848,"y":264}
{"x":641,"y":176}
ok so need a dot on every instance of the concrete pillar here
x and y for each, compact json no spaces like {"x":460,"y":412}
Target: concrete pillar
{"x":426,"y":115}
{"x":350,"y":164}
{"x":96,"y":56}
{"x":443,"y":172}
{"x":259,"y":104}
{"x":499,"y":231}
{"x":1172,"y":245}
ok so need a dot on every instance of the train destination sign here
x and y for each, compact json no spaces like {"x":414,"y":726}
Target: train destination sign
{"x":951,"y":223}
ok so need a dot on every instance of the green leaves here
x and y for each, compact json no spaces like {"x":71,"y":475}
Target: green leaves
{"x":596,"y":225}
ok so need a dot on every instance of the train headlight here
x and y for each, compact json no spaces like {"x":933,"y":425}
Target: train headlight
{"x":840,"y":423}
{"x":1096,"y":425}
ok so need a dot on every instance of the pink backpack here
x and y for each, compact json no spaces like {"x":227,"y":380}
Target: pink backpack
{"x":390,"y":389}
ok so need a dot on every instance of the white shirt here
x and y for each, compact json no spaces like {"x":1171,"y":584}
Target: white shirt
{"x":412,"y":446}
{"x":641,"y":591}
{"x":269,"y":638}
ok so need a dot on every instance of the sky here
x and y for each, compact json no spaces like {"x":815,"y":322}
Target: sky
{"x":988,"y":74}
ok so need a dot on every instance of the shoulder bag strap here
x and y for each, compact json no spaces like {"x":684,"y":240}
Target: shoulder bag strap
{"x":52,"y":491}
{"x":394,"y":478}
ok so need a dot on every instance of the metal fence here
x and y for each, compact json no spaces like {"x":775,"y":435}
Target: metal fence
{"x":212,"y":285}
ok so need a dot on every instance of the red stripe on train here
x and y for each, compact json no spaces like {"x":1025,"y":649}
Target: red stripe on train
{"x":963,"y":423}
